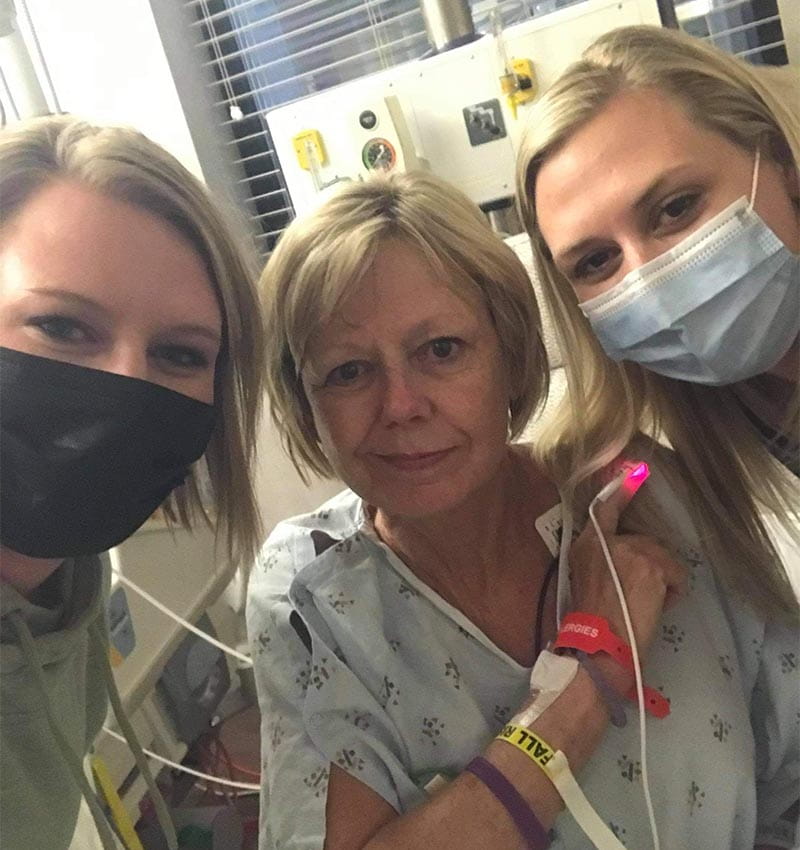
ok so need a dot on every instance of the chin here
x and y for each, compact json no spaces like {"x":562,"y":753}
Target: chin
{"x":425,"y":493}
{"x":416,"y":503}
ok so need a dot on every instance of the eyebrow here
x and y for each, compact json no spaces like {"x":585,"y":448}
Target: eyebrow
{"x":421,"y":330}
{"x":90,"y":304}
{"x":66,"y":295}
{"x":644,"y":199}
{"x":425,"y":328}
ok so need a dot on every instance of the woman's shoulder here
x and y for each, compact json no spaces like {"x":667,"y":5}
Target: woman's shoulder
{"x":297,"y":542}
{"x":338,"y":518}
{"x":340,"y":515}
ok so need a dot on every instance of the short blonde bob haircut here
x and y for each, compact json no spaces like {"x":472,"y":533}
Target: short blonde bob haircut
{"x":125,"y":165}
{"x":322,"y":257}
{"x":731,"y":477}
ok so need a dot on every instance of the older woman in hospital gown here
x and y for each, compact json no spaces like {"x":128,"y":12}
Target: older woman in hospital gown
{"x":395,"y":628}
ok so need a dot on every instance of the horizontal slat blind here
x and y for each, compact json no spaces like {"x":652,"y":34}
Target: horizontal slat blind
{"x":749,"y":28}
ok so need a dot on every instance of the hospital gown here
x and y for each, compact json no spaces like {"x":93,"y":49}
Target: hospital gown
{"x":360,"y":664}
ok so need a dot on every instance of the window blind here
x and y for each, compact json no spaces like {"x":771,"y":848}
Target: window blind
{"x":749,"y":28}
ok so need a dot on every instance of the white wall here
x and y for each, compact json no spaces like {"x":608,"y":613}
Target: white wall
{"x":108,"y":65}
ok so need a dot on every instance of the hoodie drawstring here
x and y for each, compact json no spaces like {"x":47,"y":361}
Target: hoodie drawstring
{"x":164,"y":819}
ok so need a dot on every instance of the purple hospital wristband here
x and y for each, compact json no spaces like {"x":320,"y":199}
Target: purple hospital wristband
{"x":536,"y":838}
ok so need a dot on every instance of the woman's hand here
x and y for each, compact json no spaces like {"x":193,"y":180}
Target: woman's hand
{"x":650,"y":578}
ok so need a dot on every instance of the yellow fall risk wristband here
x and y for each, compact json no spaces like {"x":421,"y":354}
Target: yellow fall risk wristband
{"x":556,"y":767}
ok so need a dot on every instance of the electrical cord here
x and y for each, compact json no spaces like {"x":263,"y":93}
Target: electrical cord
{"x":602,"y":496}
{"x":244,"y":659}
{"x":242,"y":786}
{"x":245,"y":786}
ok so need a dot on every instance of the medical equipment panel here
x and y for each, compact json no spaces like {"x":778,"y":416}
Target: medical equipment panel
{"x":459,"y":114}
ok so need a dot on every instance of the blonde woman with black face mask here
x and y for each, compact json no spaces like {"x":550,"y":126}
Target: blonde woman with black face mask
{"x":130,"y":351}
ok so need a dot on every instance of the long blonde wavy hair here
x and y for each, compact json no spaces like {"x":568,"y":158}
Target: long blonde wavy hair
{"x":731,"y":478}
{"x":123,"y":164}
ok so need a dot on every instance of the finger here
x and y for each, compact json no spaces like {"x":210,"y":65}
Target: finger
{"x":612,"y":500}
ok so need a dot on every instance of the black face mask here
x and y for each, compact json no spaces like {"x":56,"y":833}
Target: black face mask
{"x":86,"y":456}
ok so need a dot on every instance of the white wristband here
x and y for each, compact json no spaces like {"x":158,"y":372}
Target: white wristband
{"x":549,"y":679}
{"x":579,"y":807}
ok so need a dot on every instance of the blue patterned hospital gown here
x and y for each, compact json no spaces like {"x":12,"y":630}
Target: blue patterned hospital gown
{"x":359,"y":663}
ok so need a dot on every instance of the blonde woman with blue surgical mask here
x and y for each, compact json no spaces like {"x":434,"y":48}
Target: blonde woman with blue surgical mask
{"x":659,"y":184}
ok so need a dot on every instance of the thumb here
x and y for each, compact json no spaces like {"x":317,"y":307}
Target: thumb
{"x":612,"y":500}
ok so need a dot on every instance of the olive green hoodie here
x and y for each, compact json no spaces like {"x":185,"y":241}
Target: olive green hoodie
{"x":50,"y":655}
{"x":55,"y":685}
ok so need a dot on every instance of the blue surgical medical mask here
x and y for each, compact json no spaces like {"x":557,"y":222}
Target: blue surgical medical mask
{"x":720,"y":307}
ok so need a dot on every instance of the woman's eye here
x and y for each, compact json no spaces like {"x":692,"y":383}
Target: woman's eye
{"x":346,"y":374}
{"x":677,"y":210}
{"x":181,"y":357}
{"x":596,"y":263}
{"x":62,"y":329}
{"x":443,"y":348}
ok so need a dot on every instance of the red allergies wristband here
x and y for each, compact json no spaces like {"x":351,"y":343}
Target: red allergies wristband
{"x":591,"y":634}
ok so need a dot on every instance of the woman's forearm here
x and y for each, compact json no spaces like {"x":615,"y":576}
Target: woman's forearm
{"x":467,"y":816}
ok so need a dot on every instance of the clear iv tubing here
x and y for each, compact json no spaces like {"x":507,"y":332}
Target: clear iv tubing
{"x":637,"y":669}
{"x":313,"y":165}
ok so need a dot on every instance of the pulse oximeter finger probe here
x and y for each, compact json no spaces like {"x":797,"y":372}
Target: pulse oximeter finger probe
{"x":631,"y":478}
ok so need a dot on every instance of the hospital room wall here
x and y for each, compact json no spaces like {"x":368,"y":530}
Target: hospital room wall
{"x":108,"y":65}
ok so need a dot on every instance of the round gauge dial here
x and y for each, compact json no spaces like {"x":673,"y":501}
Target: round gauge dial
{"x":379,"y":155}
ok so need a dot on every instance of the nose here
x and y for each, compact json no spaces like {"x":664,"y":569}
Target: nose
{"x":129,"y":360}
{"x":637,"y":252}
{"x":404,"y":398}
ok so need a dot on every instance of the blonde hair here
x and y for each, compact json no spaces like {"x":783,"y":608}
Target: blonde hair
{"x":321,"y":258}
{"x":729,"y":473}
{"x":125,"y":165}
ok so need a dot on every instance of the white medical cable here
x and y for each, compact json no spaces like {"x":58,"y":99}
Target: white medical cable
{"x":602,"y":496}
{"x":178,"y":619}
{"x":244,"y":786}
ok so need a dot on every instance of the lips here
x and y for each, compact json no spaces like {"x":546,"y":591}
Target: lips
{"x":416,"y":460}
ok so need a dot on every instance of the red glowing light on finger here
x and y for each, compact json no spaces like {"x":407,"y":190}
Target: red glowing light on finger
{"x":636,"y":477}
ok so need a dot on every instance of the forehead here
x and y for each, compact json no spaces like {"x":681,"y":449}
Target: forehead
{"x":402,"y":279}
{"x":619,"y":152}
{"x":399,"y":289}
{"x":635,"y":124}
{"x":69,"y":235}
